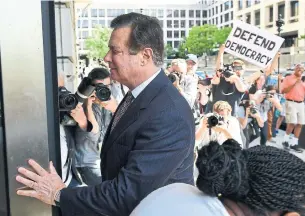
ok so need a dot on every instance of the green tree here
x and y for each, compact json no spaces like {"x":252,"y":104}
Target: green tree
{"x":169,"y":51}
{"x":203,"y":39}
{"x":181,"y":50}
{"x":97,"y":45}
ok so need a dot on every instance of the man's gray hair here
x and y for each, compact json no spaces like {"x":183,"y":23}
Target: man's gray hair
{"x":146,"y":33}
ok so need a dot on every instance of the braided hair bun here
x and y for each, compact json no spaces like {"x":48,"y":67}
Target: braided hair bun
{"x":265,"y":178}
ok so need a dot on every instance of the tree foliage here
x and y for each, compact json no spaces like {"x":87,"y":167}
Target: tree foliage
{"x":203,"y":39}
{"x":97,"y":45}
{"x":169,"y":51}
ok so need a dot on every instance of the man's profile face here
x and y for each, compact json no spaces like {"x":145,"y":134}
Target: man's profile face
{"x":191,"y":66}
{"x":299,"y":70}
{"x":124,"y":67}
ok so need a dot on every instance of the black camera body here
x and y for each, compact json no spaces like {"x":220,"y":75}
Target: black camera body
{"x":173,"y":77}
{"x":247,"y":103}
{"x":66,"y":100}
{"x":214,"y":119}
{"x":227,"y":70}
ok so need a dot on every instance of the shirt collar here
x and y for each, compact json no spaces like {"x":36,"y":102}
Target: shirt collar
{"x":135,"y":93}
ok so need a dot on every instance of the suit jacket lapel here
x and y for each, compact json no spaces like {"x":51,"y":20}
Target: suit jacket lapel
{"x":133,"y":111}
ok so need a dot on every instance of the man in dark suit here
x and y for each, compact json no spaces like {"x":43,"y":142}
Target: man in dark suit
{"x":150,"y":140}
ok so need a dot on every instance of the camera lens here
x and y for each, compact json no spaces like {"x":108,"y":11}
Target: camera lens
{"x":67,"y":101}
{"x":102,"y":92}
{"x":172,"y":78}
{"x":212,"y":121}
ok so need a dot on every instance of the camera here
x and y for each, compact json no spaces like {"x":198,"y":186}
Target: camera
{"x":66,"y":100}
{"x":227,"y":70}
{"x":173,"y":77}
{"x":84,"y":90}
{"x":269,"y":91}
{"x":214,"y":119}
{"x":102,"y":92}
{"x":247,"y":103}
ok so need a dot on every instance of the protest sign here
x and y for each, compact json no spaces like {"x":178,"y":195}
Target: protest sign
{"x":252,"y":44}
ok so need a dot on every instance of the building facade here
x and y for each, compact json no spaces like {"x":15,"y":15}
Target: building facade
{"x":264,"y":15}
{"x":176,"y":20}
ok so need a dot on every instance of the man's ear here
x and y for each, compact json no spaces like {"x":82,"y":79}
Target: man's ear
{"x":147,"y":54}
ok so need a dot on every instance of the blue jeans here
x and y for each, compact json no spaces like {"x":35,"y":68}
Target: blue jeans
{"x":90,"y":175}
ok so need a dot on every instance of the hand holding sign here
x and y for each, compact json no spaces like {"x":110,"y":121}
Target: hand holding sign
{"x":252,"y":44}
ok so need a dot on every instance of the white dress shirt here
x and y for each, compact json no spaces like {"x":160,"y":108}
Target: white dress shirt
{"x":143,"y":85}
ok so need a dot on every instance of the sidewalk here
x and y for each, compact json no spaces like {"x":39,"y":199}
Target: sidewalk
{"x":278,"y":144}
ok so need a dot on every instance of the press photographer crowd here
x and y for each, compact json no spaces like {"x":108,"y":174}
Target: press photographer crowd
{"x":138,"y":139}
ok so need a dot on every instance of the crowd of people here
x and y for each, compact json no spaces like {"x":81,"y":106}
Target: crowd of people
{"x":134,"y":153}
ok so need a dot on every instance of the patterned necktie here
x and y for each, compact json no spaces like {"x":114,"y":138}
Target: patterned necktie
{"x":122,"y":109}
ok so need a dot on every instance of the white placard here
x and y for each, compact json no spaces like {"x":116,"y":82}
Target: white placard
{"x":252,"y":44}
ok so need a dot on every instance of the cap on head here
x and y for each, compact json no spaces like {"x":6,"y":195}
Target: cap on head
{"x":192,"y":57}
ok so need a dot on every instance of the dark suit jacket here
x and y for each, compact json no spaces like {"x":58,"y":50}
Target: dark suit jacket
{"x":151,"y":146}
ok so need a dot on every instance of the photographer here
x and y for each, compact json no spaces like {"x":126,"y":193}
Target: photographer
{"x":265,"y":99}
{"x":228,"y":84}
{"x":219,"y":126}
{"x":184,"y":82}
{"x":88,"y":144}
{"x":250,"y":120}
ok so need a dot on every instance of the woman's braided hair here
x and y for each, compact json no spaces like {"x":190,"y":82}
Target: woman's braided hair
{"x":265,"y":178}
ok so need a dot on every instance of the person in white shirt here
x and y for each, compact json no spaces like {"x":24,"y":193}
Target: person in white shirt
{"x":259,"y":181}
{"x":228,"y":126}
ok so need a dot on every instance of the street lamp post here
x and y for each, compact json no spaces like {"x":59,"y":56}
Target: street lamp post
{"x":279,"y":24}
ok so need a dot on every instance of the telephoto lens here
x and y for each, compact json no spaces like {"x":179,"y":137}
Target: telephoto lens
{"x":84,"y":90}
{"x":67,"y":101}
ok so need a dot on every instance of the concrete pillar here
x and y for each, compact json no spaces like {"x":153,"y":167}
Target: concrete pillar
{"x":252,"y":21}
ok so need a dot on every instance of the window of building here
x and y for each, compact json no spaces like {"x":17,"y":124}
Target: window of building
{"x":94,"y":23}
{"x":169,"y":34}
{"x":257,"y":17}
{"x":85,"y":24}
{"x":176,"y":34}
{"x":101,"y":13}
{"x":213,"y":21}
{"x":227,"y":17}
{"x":129,"y":10}
{"x":231,"y":4}
{"x":191,"y":23}
{"x":182,"y":23}
{"x":169,"y":24}
{"x":248,"y":18}
{"x":231,"y":15}
{"x":204,"y":14}
{"x":220,"y":8}
{"x":115,"y":12}
{"x":216,"y":9}
{"x":213,"y":11}
{"x":176,"y":23}
{"x":182,"y":34}
{"x":109,"y":23}
{"x":198,"y":13}
{"x":101,"y":23}
{"x":204,"y":22}
{"x":84,"y":13}
{"x":294,"y":8}
{"x":198,"y":22}
{"x":271,"y":14}
{"x":221,"y":19}
{"x":176,"y":44}
{"x":176,"y":13}
{"x":93,"y":12}
{"x":182,"y":13}
{"x":281,"y":10}
{"x":227,"y":5}
{"x":78,"y":24}
{"x":170,"y":43}
{"x":248,"y":3}
{"x":169,"y":13}
{"x":191,"y":13}
{"x":145,"y":12}
{"x":153,"y":12}
{"x":160,"y":13}
{"x":85,"y":34}
{"x":240,"y":5}
{"x":257,"y":1}
{"x":216,"y":20}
